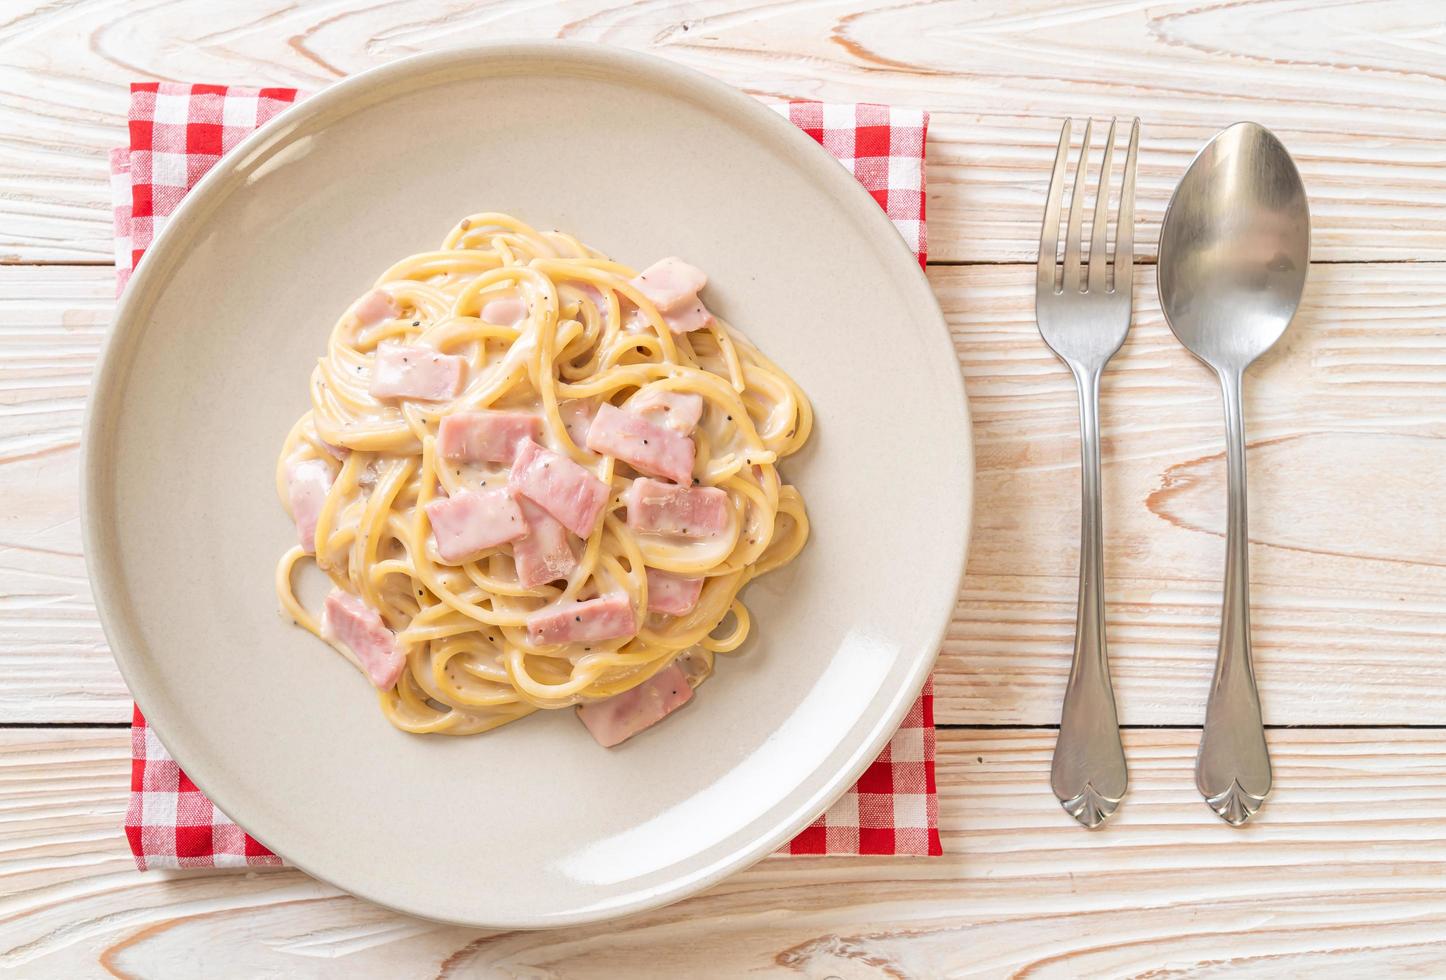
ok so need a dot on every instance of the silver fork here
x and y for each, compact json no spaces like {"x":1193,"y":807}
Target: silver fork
{"x":1084,"y":321}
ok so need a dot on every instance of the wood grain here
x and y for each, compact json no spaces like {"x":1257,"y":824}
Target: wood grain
{"x":1355,"y":90}
{"x":1344,"y":871}
{"x":54,"y":660}
{"x":1347,"y":430}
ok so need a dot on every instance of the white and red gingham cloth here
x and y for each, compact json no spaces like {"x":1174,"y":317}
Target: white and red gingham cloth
{"x":177,"y":133}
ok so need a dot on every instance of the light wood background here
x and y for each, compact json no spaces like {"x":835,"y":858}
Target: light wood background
{"x":1343,"y":871}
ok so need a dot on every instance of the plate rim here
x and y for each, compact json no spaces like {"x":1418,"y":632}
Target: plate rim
{"x":105,"y":570}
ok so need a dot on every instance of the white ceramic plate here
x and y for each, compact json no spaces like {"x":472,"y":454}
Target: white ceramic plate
{"x":534,"y":825}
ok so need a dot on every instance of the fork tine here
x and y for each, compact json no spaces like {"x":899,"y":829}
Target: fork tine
{"x":1076,"y":215}
{"x":1100,"y":227}
{"x":1049,"y":233}
{"x":1125,"y":234}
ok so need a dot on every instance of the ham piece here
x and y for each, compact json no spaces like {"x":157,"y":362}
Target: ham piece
{"x":672,"y":285}
{"x":421,"y":373}
{"x":467,"y":524}
{"x":673,"y":594}
{"x":307,"y":483}
{"x":607,"y":617}
{"x":506,"y":311}
{"x":644,"y":445}
{"x":678,"y":410}
{"x":345,"y":619}
{"x":623,"y":715}
{"x":661,"y":508}
{"x":561,"y":487}
{"x":485,"y":436}
{"x":375,"y":307}
{"x":544,"y":553}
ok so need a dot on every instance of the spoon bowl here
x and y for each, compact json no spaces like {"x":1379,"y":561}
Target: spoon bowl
{"x":1235,"y":248}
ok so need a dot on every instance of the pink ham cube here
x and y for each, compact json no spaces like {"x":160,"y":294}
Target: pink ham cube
{"x":608,"y":617}
{"x":622,"y":716}
{"x":421,"y":373}
{"x":670,"y":283}
{"x":678,"y":410}
{"x":671,"y":593}
{"x":469,"y":523}
{"x":686,"y":319}
{"x":375,"y":307}
{"x":485,"y":436}
{"x":307,"y":484}
{"x":345,"y":619}
{"x":544,"y":553}
{"x":506,"y":311}
{"x":643,"y":445}
{"x":577,"y":416}
{"x":661,"y":508}
{"x":561,"y":487}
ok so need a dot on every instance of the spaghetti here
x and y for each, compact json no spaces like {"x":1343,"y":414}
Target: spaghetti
{"x":537,"y":479}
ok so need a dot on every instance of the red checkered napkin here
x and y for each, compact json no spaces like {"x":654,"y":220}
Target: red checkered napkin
{"x":177,"y":133}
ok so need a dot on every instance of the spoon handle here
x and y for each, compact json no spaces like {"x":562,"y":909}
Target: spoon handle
{"x":1232,"y":770}
{"x":1088,"y":775}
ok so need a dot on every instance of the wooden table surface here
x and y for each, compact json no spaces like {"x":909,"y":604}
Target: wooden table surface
{"x":1345,"y":868}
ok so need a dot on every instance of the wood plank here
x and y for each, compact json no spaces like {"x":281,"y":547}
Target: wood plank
{"x":1355,"y":90}
{"x":1346,"y":421}
{"x":1344,"y":871}
{"x":53,"y":656}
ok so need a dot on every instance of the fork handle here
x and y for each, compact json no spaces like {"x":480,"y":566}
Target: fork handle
{"x":1088,"y":774}
{"x":1232,"y":770}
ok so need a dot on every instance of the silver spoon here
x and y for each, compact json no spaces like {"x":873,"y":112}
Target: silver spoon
{"x":1234,"y":252}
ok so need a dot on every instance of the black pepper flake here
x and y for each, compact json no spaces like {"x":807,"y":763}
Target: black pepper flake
{"x":730,"y":418}
{"x":577,"y":619}
{"x":416,"y":323}
{"x":645,"y":442}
